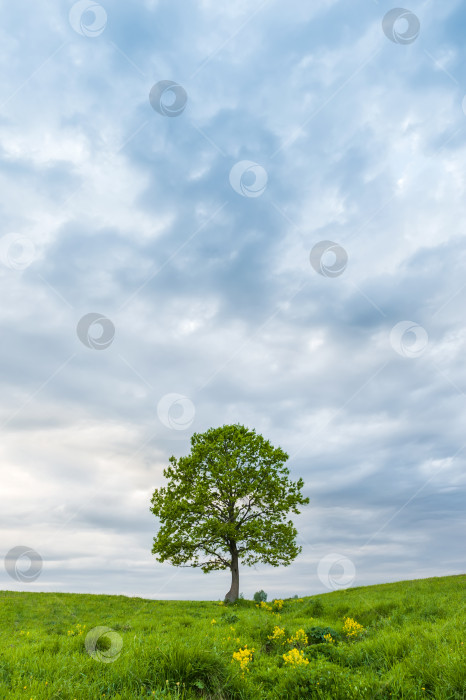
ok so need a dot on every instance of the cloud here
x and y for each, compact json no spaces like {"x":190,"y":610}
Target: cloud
{"x":109,"y":207}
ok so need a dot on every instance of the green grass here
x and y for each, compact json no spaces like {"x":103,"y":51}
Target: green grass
{"x":411,"y":646}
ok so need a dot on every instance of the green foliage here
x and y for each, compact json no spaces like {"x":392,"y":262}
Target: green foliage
{"x":316,"y":635}
{"x":322,"y":679}
{"x":261,"y":596}
{"x":103,"y":644}
{"x":229,"y":497}
{"x":314,"y":608}
{"x":242,"y":603}
{"x":199,"y":669}
{"x":229,"y":618}
{"x":413,"y":647}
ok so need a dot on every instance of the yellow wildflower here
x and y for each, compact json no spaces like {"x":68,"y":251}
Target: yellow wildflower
{"x":299,"y":639}
{"x":278,"y":635}
{"x":294,"y":657}
{"x":352,"y":628}
{"x":244,"y":656}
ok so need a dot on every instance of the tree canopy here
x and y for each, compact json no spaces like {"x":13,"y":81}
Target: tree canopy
{"x":227,"y":502}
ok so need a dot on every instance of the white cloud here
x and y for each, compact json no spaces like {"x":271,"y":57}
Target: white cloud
{"x":124,"y":207}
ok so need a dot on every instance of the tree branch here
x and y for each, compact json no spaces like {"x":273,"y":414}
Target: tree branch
{"x":204,"y":563}
{"x":253,"y":515}
{"x":210,"y":551}
{"x":245,"y":514}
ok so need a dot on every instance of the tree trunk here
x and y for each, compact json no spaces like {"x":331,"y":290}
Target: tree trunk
{"x":233,"y":593}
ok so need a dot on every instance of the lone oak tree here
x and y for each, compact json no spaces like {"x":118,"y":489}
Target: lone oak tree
{"x":227,"y":502}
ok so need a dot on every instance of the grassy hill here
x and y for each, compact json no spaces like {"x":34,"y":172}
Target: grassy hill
{"x":397,"y":640}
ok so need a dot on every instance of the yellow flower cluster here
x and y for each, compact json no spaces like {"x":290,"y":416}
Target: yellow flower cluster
{"x":295,"y":658}
{"x":278,"y":635}
{"x":329,"y":638}
{"x":212,"y":622}
{"x":244,"y":656}
{"x":276,"y":605}
{"x":352,"y":628}
{"x":78,"y":630}
{"x":299,"y":639}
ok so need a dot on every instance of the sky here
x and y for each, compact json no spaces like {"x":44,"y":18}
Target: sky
{"x":217,"y":213}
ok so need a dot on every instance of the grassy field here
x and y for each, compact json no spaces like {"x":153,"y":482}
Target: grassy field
{"x":397,"y":640}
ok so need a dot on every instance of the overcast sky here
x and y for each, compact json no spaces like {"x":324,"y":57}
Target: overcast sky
{"x":264,"y":204}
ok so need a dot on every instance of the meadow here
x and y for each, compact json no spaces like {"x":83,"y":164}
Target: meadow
{"x":396,"y":640}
